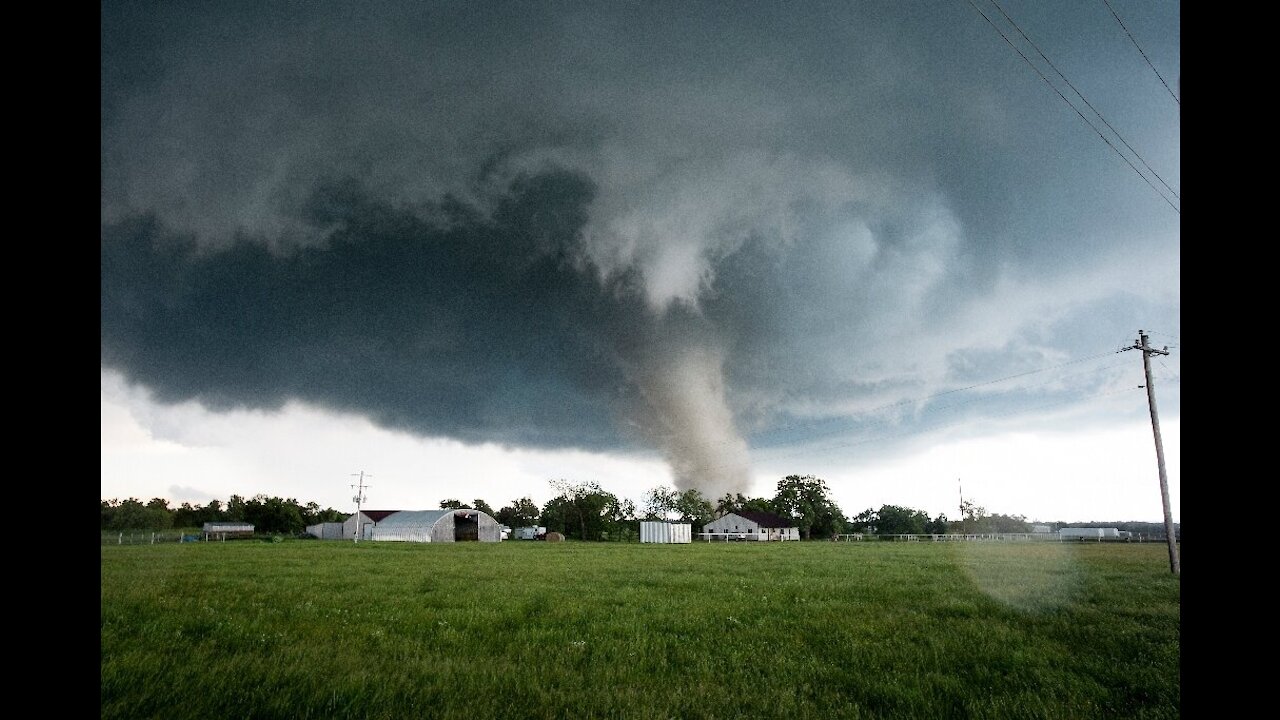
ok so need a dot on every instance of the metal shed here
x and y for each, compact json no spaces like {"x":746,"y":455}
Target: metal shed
{"x":656,"y":531}
{"x":326,"y":531}
{"x":438,"y":526}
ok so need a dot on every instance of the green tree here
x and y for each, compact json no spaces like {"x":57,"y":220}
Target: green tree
{"x":451,"y":504}
{"x":659,"y":503}
{"x":520,"y":513}
{"x":483,"y":507}
{"x":159,"y":517}
{"x":806,"y":500}
{"x":898,"y":520}
{"x":235,"y":509}
{"x":936,"y":526}
{"x":864,"y":522}
{"x":586,"y":511}
{"x":693,"y":508}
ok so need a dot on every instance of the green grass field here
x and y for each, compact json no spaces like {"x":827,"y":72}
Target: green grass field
{"x":326,"y":629}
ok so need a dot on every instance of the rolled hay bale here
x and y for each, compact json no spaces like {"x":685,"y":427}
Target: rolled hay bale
{"x":555,"y":537}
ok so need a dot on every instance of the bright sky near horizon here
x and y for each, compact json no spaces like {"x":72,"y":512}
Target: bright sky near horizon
{"x":471,"y":250}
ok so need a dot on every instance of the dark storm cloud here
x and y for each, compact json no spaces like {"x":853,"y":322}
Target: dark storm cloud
{"x":595,"y":225}
{"x":481,"y":329}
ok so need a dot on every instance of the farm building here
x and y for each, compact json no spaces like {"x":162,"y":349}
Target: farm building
{"x":751,"y":525}
{"x":1093,"y":533}
{"x":665,"y":532}
{"x":437,"y":526}
{"x":227,"y":530}
{"x":368,"y":519}
{"x":327,"y":531}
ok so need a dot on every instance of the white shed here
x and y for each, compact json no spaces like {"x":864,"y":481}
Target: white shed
{"x":655,"y":531}
{"x":1090,"y":533}
{"x":326,"y":530}
{"x":446,"y":525}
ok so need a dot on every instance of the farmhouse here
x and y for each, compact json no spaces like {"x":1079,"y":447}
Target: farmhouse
{"x":437,"y":526}
{"x":751,"y":525}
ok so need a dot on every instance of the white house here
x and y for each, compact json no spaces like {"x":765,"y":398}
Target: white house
{"x":751,"y":525}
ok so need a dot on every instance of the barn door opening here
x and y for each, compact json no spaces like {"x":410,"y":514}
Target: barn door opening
{"x":466,"y":527}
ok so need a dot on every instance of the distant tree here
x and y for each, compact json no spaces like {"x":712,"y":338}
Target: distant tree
{"x":936,"y":526}
{"x":520,"y":513}
{"x":694,"y":509}
{"x":235,"y":509}
{"x":483,"y":507}
{"x":864,"y":522}
{"x":806,"y":500}
{"x":586,"y":511}
{"x":159,"y":517}
{"x":897,"y":520}
{"x":659,"y":503}
{"x":188,"y":515}
{"x":274,"y":515}
{"x":758,"y":504}
{"x":451,"y":504}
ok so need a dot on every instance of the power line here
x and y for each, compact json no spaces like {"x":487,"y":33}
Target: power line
{"x":1144,"y":55}
{"x":1086,"y":100}
{"x":1073,"y":107}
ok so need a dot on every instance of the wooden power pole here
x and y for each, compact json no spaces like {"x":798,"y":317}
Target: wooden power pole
{"x":1147,"y":352}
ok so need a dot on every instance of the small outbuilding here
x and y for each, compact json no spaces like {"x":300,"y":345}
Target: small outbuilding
{"x":656,"y":531}
{"x":227,"y":530}
{"x":448,"y":525}
{"x":326,"y":531}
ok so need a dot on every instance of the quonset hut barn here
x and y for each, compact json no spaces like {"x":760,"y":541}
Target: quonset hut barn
{"x":437,"y":526}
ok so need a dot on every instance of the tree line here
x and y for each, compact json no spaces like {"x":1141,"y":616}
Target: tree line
{"x":266,"y":514}
{"x":586,"y":511}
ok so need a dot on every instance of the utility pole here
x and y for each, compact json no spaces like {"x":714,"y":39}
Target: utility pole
{"x":963,"y":529}
{"x":359,"y":498}
{"x":1147,"y":352}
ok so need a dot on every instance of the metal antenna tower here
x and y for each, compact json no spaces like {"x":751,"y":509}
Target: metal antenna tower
{"x":359,"y":499}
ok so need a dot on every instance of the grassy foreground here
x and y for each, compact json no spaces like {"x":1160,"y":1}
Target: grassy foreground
{"x":326,"y":629}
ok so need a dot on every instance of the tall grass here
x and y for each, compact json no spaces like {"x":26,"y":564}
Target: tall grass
{"x":571,"y":630}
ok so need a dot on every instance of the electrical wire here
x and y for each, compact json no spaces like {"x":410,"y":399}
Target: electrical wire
{"x":1073,"y":107}
{"x":1144,"y":55}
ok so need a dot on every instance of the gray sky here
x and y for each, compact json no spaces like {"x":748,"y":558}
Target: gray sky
{"x":470,"y":249}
